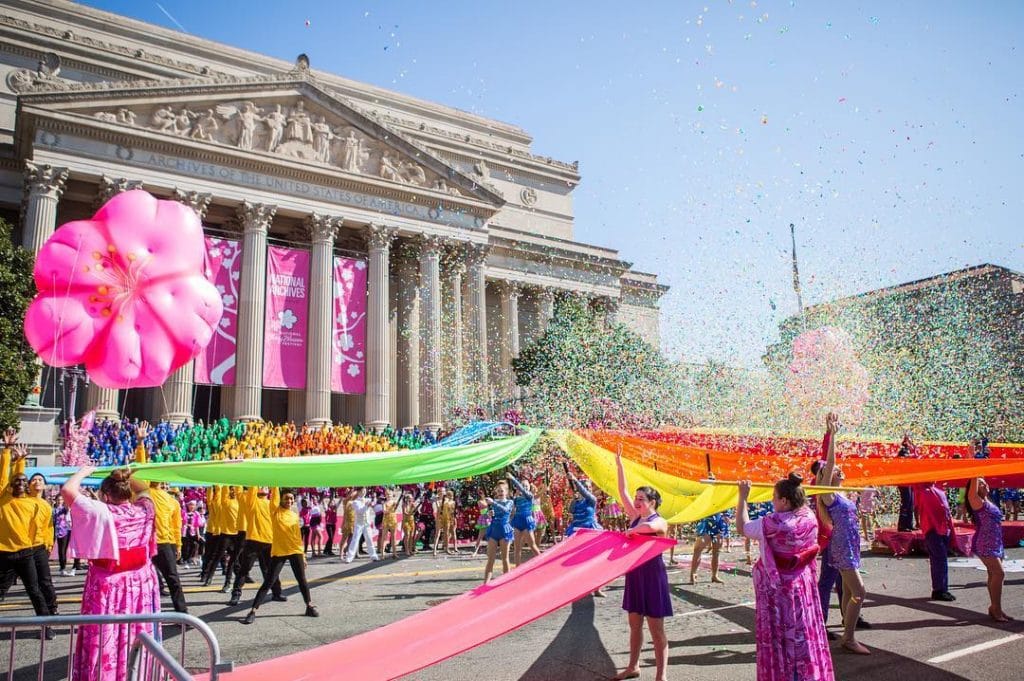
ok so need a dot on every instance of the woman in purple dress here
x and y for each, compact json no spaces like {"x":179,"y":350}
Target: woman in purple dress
{"x":987,"y":543}
{"x":647,"y":593}
{"x":844,"y":547}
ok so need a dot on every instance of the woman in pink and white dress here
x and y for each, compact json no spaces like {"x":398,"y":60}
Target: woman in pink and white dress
{"x":116,"y":533}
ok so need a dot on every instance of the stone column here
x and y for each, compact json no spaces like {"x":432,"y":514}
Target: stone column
{"x":45,"y":185}
{"x":546,"y":308}
{"x":431,"y":414}
{"x":509,"y":292}
{"x":319,"y":353}
{"x":476,"y":323}
{"x":105,"y":400}
{"x":179,"y":387}
{"x":255,"y":219}
{"x":112,"y":186}
{"x":452,"y":269}
{"x":409,"y":334}
{"x":378,"y":383}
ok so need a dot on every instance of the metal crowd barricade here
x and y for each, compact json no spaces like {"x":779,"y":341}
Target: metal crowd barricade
{"x":148,"y":658}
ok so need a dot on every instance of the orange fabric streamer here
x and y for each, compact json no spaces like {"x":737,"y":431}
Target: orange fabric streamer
{"x":767,"y":444}
{"x":770,"y":463}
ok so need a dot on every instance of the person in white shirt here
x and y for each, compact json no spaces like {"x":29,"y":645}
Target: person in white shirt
{"x":362,"y":506}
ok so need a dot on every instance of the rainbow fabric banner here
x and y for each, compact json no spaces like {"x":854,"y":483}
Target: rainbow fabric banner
{"x":773,"y":463}
{"x":345,"y":470}
{"x":675,"y":470}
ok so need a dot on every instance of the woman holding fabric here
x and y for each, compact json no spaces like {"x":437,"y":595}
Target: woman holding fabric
{"x":286,"y":547}
{"x":584,"y":510}
{"x":844,"y":547}
{"x":790,"y":634}
{"x":19,"y":519}
{"x":523,"y":520}
{"x":647,"y":593}
{"x":584,"y":507}
{"x":987,"y":543}
{"x":43,"y":540}
{"x":118,"y":536}
{"x":499,"y":532}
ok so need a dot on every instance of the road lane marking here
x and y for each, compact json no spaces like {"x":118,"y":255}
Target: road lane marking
{"x":18,"y":603}
{"x":715,"y":609}
{"x":975,"y":649}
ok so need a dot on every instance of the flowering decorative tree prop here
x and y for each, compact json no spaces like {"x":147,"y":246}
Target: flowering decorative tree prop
{"x":76,"y":442}
{"x":124,"y":293}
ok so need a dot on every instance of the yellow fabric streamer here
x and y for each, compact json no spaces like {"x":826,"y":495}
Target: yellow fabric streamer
{"x":682,"y":501}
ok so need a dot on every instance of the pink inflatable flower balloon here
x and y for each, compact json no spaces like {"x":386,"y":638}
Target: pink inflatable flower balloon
{"x":124,"y":293}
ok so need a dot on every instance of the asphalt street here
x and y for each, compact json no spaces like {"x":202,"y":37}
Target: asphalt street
{"x":710,"y":636}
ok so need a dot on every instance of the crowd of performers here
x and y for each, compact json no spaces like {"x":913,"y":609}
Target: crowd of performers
{"x":139,"y":538}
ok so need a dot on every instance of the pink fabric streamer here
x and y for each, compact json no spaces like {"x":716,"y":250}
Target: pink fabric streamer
{"x":565,"y":573}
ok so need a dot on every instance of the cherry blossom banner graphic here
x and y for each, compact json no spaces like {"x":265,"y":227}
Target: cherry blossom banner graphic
{"x":284,"y":349}
{"x":348,"y":333}
{"x":216,"y":364}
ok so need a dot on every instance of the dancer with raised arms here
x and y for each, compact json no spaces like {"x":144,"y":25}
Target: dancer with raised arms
{"x":844,"y":547}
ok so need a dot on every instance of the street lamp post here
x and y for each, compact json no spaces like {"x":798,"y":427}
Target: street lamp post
{"x":74,"y":375}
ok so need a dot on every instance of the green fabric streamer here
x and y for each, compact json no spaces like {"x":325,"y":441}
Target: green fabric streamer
{"x":346,"y":470}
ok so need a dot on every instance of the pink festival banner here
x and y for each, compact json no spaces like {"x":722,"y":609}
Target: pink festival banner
{"x":348,"y":335}
{"x":216,"y":364}
{"x":284,"y":348}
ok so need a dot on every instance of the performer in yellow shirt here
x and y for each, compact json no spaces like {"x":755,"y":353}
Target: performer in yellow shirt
{"x":255,"y":507}
{"x":167,"y":522}
{"x":227,"y":542}
{"x":212,"y":537}
{"x":19,"y":520}
{"x":42,"y":541}
{"x":286,"y":547}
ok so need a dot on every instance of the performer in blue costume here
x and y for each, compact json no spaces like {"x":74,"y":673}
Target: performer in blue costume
{"x":523,"y":521}
{"x":499,"y":532}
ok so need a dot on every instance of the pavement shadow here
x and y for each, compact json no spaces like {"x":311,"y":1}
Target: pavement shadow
{"x":960,"y":616}
{"x":577,"y":643}
{"x":723,"y":650}
{"x":880,"y":664}
{"x":740,"y":616}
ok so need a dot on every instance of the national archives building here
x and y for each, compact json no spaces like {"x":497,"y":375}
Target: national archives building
{"x":462,"y":237}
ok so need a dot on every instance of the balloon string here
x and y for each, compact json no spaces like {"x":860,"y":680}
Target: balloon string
{"x":47,"y":376}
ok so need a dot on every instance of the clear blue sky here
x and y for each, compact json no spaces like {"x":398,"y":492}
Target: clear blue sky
{"x":889,"y":133}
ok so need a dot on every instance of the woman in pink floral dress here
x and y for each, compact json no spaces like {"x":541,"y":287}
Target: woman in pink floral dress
{"x":117,"y":536}
{"x":791,"y":640}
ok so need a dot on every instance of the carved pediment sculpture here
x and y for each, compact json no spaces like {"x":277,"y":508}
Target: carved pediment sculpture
{"x":290,"y":130}
{"x":46,"y":73}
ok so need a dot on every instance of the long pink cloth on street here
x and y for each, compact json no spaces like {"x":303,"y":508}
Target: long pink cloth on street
{"x":565,"y":573}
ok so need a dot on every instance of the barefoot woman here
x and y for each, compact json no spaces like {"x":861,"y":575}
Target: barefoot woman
{"x":647,"y":593}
